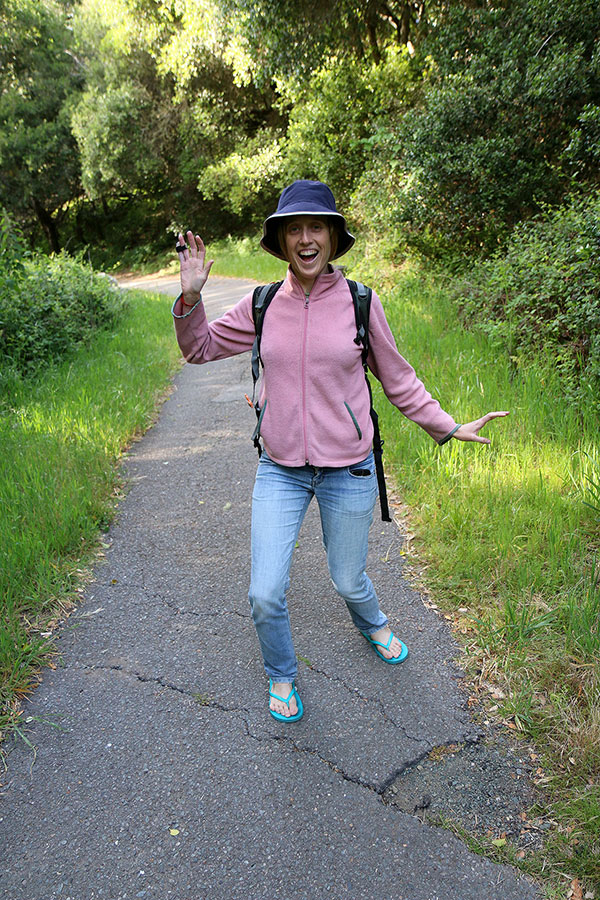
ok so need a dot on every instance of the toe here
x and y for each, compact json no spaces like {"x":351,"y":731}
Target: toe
{"x":279,"y":706}
{"x":283,"y":708}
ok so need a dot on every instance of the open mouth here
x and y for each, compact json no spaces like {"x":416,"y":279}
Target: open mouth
{"x":308,"y":255}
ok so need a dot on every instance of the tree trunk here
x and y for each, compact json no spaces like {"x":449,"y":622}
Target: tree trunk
{"x":48,"y":224}
{"x":405,"y":24}
{"x":372,"y":33}
{"x":79,"y":233}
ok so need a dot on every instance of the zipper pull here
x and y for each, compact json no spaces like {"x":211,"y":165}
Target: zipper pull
{"x":306,"y":296}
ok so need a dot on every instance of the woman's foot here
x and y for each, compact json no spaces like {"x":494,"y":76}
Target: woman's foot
{"x":395,"y":649}
{"x":277,"y":704}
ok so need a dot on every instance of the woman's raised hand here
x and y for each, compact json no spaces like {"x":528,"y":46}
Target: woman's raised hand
{"x":193,"y":269}
{"x":470,"y":431}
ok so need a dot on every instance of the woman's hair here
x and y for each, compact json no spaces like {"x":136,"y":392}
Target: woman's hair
{"x":333,"y":236}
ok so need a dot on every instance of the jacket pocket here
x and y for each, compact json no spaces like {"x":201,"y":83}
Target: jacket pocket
{"x":353,"y":417}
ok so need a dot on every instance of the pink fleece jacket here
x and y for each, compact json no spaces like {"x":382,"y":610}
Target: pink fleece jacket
{"x":313,"y":394}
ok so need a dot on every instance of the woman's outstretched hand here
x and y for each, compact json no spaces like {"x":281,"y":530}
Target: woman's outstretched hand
{"x":470,"y":431}
{"x":192,"y":267}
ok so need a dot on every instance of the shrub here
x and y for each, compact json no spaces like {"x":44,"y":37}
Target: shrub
{"x":48,"y":306}
{"x":541,"y":292}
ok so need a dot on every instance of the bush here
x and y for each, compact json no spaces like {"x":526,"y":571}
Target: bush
{"x":48,"y":307}
{"x":541,"y":292}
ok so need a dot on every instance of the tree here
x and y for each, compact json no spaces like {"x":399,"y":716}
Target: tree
{"x":39,"y":79}
{"x":508,"y":118}
{"x":161,"y":105}
{"x":296,"y":37}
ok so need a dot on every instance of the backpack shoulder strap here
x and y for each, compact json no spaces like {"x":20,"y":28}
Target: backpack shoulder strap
{"x":261,"y":297}
{"x":361,"y":298}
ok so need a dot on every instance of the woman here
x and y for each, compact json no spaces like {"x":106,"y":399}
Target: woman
{"x":315,"y":421}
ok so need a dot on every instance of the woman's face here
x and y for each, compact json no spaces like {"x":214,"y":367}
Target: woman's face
{"x":307,"y":247}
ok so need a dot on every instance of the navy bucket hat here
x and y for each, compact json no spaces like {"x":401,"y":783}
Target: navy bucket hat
{"x":305,"y":198}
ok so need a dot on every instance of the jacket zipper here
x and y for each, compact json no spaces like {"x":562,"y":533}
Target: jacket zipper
{"x":304,"y":418}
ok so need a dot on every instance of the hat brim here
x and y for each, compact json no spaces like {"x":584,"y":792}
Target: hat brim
{"x":270,"y":239}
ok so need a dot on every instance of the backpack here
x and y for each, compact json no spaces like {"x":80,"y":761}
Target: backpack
{"x":361,"y":299}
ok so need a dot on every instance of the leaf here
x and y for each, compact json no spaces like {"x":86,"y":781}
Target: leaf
{"x":174,"y":831}
{"x":499,"y":842}
{"x":576,"y":891}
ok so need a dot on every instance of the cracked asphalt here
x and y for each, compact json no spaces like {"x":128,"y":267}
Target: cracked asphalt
{"x":153,"y":769}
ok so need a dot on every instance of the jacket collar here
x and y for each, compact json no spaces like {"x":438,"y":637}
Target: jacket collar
{"x":322,"y":285}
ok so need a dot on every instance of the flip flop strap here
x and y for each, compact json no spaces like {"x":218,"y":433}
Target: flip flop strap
{"x":283,"y":699}
{"x":380,"y":643}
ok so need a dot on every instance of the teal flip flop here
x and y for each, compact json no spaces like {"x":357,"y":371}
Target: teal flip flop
{"x":375,"y":644}
{"x":293,"y":693}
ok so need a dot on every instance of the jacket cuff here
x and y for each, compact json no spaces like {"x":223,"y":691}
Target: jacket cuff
{"x":444,"y":440}
{"x":189,"y":308}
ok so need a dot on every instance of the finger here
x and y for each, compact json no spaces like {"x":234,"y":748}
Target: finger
{"x":495,"y":415}
{"x":479,"y":423}
{"x":182,"y":254}
{"x":201,"y":250}
{"x":192,"y":242}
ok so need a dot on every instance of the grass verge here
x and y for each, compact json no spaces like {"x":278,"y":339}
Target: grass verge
{"x":506,"y":541}
{"x":61,"y":436}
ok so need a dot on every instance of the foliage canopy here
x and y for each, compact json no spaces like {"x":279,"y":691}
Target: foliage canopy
{"x":439,"y":125}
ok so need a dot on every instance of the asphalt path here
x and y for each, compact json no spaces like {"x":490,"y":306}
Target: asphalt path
{"x":153,"y":769}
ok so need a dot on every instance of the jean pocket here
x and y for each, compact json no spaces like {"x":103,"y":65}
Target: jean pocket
{"x":363,"y":469}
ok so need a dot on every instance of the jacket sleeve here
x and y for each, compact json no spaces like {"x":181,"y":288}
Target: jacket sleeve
{"x":201,"y":341}
{"x":400,"y":382}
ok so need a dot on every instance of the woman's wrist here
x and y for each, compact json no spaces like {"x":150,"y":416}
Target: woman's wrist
{"x":190,"y":300}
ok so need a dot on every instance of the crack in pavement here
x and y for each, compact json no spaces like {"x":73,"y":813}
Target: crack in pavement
{"x":378,"y":789}
{"x":201,"y":699}
{"x":172,"y":604}
{"x":312,"y":751}
{"x":210,"y":702}
{"x":376,"y":700}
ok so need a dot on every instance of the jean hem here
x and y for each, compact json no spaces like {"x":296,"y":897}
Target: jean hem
{"x":282,"y":679}
{"x":373,"y":628}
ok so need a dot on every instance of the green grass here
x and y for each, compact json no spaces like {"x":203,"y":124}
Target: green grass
{"x":60,"y":439}
{"x":507,"y":537}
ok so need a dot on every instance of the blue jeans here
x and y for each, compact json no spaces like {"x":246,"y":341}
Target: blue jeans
{"x":279,"y":502}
